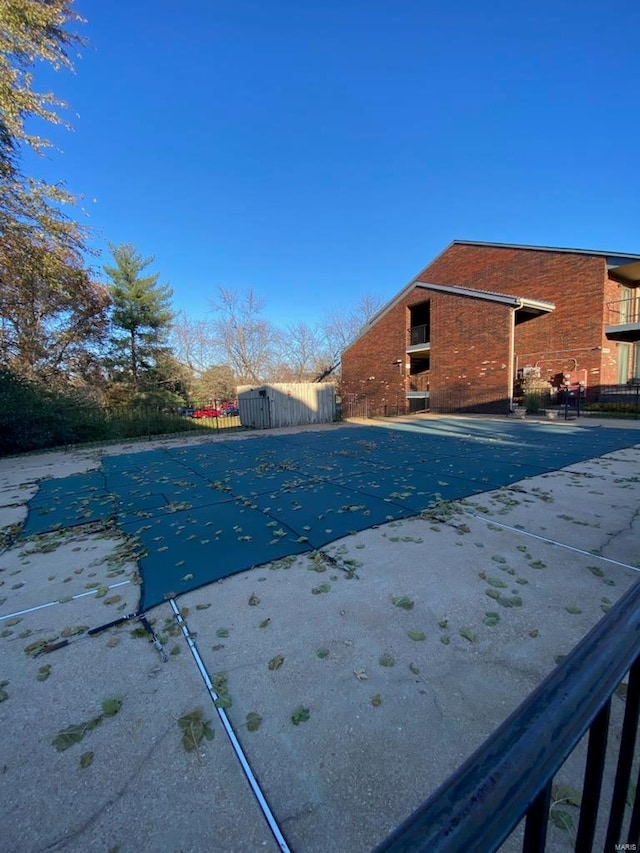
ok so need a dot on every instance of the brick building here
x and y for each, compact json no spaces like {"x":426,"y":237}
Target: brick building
{"x":484,"y":318}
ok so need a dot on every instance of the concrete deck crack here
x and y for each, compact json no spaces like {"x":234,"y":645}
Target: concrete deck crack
{"x":61,"y":843}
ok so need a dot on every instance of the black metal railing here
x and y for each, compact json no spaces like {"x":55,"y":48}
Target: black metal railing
{"x":419,"y":335}
{"x":623,"y":311}
{"x":419,"y":381}
{"x":510,"y":776}
{"x":356,"y":406}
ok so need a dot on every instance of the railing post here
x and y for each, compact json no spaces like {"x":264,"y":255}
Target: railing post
{"x":537,"y":821}
{"x":592,"y":788}
{"x":625,"y":757}
{"x":634,"y":824}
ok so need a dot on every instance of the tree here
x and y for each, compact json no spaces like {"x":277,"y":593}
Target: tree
{"x":51,"y":312}
{"x":341,"y":328}
{"x":216,"y":383}
{"x":53,"y":316}
{"x":193,"y":342}
{"x":246,"y":339}
{"x":32,"y":32}
{"x":301,"y":356}
{"x":140,"y":319}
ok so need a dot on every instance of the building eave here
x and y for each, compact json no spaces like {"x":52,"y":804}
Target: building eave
{"x":533,"y":305}
{"x":614,"y":257}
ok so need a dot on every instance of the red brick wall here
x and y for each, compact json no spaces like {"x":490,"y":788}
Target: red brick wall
{"x":470,"y":365}
{"x":369,"y":366}
{"x":469,"y":355}
{"x":574,"y":283}
{"x":470,"y":337}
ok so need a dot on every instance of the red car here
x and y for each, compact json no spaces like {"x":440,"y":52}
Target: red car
{"x":206,"y":412}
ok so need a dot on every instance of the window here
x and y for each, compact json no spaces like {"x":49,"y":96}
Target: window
{"x":629,"y":305}
{"x":628,"y":362}
{"x":623,"y":363}
{"x":420,"y":332}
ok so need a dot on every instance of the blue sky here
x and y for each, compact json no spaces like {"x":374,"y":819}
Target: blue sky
{"x":319,"y":151}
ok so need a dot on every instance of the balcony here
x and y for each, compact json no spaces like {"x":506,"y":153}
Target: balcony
{"x":419,"y":339}
{"x":622,"y":320}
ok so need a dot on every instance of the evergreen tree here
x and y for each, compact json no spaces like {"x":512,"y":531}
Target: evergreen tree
{"x":141,"y":320}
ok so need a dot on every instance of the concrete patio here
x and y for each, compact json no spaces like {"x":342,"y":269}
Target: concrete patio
{"x":356,"y":679}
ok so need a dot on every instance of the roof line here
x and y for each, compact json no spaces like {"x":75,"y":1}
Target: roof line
{"x":456,"y":291}
{"x":489,"y":295}
{"x":597,"y":252}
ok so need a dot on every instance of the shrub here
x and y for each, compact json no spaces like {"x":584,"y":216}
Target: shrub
{"x":33,"y":417}
{"x":532,"y":403}
{"x":612,"y":408}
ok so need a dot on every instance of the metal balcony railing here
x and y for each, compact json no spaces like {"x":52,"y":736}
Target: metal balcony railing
{"x":419,"y":381}
{"x":510,"y":776}
{"x":622,"y":311}
{"x":419,"y":335}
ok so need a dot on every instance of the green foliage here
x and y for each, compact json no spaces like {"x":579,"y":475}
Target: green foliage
{"x":32,"y":417}
{"x":623,"y":409}
{"x":76,"y":731}
{"x":32,"y":33}
{"x":53,"y":315}
{"x":220,"y":685}
{"x":532,"y":403}
{"x":86,"y":759}
{"x":253,"y":721}
{"x":44,"y":672}
{"x":194,"y":728}
{"x":403,"y":602}
{"x":417,"y":636}
{"x":561,"y":819}
{"x":300,"y":715}
{"x":217,"y":382}
{"x":139,"y":357}
{"x":111,"y":706}
{"x":563,"y":795}
{"x":35,"y":417}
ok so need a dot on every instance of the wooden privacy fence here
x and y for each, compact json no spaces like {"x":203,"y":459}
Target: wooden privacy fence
{"x":286,"y":404}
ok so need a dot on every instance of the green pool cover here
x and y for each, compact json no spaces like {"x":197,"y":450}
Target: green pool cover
{"x":205,"y":512}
